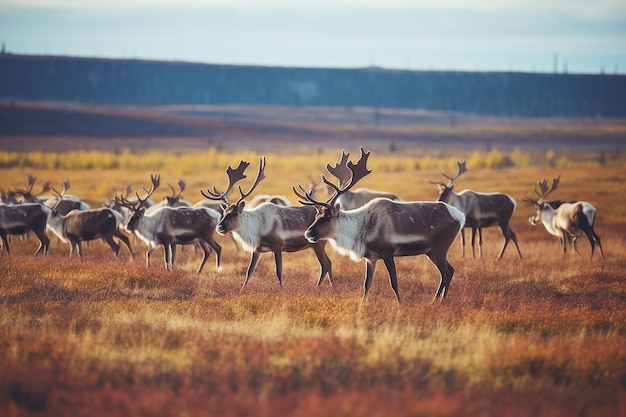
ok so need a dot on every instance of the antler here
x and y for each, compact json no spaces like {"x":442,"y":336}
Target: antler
{"x":260,"y":176}
{"x":156,"y":182}
{"x":544,"y":190}
{"x":341,"y":170}
{"x":234,"y":176}
{"x":66,"y":186}
{"x":461,"y":168}
{"x":181,"y":185}
{"x":357,"y":171}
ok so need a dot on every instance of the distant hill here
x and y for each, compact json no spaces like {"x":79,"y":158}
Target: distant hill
{"x":138,"y":82}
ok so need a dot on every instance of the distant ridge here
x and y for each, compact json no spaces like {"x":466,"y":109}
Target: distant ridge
{"x":139,"y":82}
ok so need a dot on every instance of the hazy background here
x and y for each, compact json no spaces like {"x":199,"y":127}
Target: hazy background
{"x":518,"y":35}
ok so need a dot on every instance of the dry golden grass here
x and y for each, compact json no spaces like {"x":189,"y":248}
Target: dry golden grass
{"x":104,"y":336}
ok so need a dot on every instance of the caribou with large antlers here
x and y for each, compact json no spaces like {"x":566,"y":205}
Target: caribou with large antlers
{"x":267,"y":227}
{"x":481,"y":210}
{"x":384,"y":229}
{"x":352,"y":199}
{"x":169,"y":226}
{"x":567,"y":221}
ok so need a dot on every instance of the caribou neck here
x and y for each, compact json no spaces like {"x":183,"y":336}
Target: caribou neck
{"x":348,"y":237}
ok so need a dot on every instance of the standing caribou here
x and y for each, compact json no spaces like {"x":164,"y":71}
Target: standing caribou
{"x":359,"y":197}
{"x":384,"y":229}
{"x":21,"y":218}
{"x":567,"y":221}
{"x":267,"y":227}
{"x":84,"y":225}
{"x":481,"y":210}
{"x":169,"y":226}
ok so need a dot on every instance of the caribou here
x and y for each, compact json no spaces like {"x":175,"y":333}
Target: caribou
{"x":567,"y":221}
{"x":169,"y":226}
{"x":383,"y":228}
{"x":174,"y":200}
{"x":481,"y":210}
{"x":352,"y":199}
{"x":22,"y":218}
{"x":267,"y":227}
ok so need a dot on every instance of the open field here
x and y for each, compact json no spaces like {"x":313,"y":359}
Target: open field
{"x":103,"y":336}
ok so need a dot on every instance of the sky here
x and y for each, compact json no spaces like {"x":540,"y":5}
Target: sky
{"x":575,"y":36}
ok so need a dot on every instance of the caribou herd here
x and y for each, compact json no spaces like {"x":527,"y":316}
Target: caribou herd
{"x":358,"y":223}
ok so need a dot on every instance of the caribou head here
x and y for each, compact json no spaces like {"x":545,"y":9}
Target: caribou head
{"x":545,"y":188}
{"x":447,"y":188}
{"x":328,"y":211}
{"x":232,"y":212}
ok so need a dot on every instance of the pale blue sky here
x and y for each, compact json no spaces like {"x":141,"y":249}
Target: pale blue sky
{"x":520,"y":35}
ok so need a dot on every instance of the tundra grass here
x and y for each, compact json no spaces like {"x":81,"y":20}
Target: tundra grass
{"x":108,"y":336}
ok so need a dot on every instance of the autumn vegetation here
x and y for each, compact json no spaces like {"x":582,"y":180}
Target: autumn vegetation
{"x":545,"y":335}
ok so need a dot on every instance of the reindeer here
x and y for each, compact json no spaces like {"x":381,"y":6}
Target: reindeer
{"x":173,"y":200}
{"x":358,"y":197}
{"x":65,"y":204}
{"x":22,"y":218}
{"x":383,"y":228}
{"x":169,"y":226}
{"x":27,"y":193}
{"x":567,"y":221}
{"x":84,"y":225}
{"x":267,"y":227}
{"x":481,"y":210}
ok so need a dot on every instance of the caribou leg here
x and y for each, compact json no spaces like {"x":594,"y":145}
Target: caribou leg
{"x":207,"y":251}
{"x":324,"y":260}
{"x":278,"y":258}
{"x":393,"y":277}
{"x":254,"y":260}
{"x":370,"y":268}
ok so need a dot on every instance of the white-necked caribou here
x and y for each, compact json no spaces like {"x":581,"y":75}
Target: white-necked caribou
{"x":267,"y":227}
{"x":567,"y":221}
{"x":170,"y":226}
{"x":384,"y":229}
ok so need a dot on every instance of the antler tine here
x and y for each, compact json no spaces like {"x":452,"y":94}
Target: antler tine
{"x":359,"y":170}
{"x":128,"y":190}
{"x":45,"y":188}
{"x":460,"y":169}
{"x":123,"y":201}
{"x":234,"y":176}
{"x":173,"y":190}
{"x":259,"y":178}
{"x":306,"y":197}
{"x":181,"y":185}
{"x":156,"y":182}
{"x":31,"y":182}
{"x":341,"y":170}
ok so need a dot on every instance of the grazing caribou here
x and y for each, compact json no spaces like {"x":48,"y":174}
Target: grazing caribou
{"x":481,"y":210}
{"x":567,"y":221}
{"x":267,"y":227}
{"x":352,"y":199}
{"x":22,"y":218}
{"x":384,"y":229}
{"x":169,"y":226}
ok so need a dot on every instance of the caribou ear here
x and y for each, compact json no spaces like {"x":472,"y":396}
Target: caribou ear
{"x":241,"y":205}
{"x":337,"y":207}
